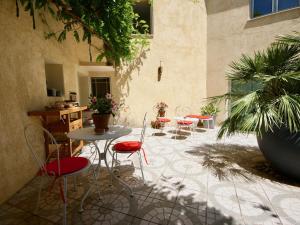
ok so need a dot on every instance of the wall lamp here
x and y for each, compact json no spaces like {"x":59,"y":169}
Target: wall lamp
{"x":159,"y":71}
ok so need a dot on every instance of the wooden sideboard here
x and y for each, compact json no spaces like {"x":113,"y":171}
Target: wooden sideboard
{"x":59,"y":122}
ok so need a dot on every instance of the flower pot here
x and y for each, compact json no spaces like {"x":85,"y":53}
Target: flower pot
{"x":101,"y":122}
{"x":282,"y":149}
{"x":161,"y":113}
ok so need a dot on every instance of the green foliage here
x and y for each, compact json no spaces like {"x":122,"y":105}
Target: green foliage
{"x":276,"y":100}
{"x":104,"y":105}
{"x":211,"y":109}
{"x":112,"y":21}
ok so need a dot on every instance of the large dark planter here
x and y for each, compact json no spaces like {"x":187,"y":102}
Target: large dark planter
{"x":101,"y":122}
{"x":282,"y":150}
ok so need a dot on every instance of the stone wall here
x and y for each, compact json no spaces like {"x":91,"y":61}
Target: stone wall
{"x":23,"y":88}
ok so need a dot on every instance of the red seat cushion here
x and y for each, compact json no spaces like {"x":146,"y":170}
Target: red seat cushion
{"x":128,"y":146}
{"x":164,"y":120}
{"x":67,"y":165}
{"x":184,"y":122}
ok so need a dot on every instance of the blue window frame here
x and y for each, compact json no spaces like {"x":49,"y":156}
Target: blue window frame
{"x":264,"y":7}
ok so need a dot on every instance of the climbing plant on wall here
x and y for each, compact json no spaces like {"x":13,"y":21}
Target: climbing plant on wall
{"x":112,"y":21}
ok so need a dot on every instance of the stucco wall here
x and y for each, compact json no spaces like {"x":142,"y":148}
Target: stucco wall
{"x":231,"y":33}
{"x":179,"y":41}
{"x":23,"y":88}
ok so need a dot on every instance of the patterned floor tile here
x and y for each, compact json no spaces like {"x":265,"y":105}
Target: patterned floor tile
{"x":193,"y":180}
{"x":155,"y":211}
{"x":258,"y":213}
{"x":94,"y":214}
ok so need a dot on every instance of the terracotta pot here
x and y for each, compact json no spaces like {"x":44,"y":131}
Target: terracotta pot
{"x":161,"y":113}
{"x":101,"y":122}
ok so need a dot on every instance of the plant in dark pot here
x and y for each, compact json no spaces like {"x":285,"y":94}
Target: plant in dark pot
{"x":161,"y":109}
{"x":270,"y":108}
{"x":103,"y":107}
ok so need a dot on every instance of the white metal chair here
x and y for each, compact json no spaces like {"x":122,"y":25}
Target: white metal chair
{"x":60,"y":168}
{"x":131,"y":147}
{"x":182,"y":121}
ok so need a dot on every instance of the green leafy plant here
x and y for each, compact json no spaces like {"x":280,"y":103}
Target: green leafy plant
{"x":211,"y":109}
{"x":104,"y":105}
{"x":114,"y":22}
{"x":276,"y":100}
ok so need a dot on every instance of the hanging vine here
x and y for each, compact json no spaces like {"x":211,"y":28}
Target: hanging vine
{"x":112,"y":21}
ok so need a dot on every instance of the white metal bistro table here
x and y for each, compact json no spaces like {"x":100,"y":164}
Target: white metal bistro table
{"x":193,"y":121}
{"x":88,"y":134}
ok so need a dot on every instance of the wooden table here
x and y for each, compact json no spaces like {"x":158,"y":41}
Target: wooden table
{"x":59,"y":122}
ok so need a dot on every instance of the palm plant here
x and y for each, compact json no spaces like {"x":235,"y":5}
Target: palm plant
{"x":275,"y":102}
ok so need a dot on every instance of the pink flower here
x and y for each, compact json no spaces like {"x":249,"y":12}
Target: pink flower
{"x":94,"y":100}
{"x":108,"y":96}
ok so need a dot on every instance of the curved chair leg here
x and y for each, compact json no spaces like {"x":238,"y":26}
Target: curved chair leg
{"x":141,"y":166}
{"x":39,"y":196}
{"x":75,"y":184}
{"x":65,"y":201}
{"x":112,"y":167}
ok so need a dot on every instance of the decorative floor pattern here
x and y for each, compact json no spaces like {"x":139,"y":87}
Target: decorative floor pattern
{"x":190,"y":180}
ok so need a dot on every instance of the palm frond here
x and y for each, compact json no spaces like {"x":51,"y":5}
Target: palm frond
{"x":292,"y":39}
{"x":275,"y":100}
{"x":246,"y":69}
{"x":289,"y":111}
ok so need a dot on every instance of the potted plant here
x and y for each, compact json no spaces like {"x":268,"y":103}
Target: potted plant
{"x":161,"y":109}
{"x":103,"y":108}
{"x":272,"y":109}
{"x":210,"y":109}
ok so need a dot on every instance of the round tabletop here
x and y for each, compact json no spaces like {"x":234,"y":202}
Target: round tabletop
{"x":88,"y":133}
{"x":181,"y":118}
{"x":200,"y":117}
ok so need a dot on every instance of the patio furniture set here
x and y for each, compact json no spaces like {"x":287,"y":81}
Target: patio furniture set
{"x":63,"y":167}
{"x":189,"y":121}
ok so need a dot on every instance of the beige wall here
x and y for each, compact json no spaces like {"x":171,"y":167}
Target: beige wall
{"x":179,"y":40}
{"x":231,"y":33}
{"x":24,"y":52}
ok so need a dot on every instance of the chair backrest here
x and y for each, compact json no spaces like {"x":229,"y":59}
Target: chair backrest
{"x":144,"y":128}
{"x":30,"y":131}
{"x":182,"y":111}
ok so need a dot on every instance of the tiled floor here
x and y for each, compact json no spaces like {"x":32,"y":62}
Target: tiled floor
{"x":190,"y":180}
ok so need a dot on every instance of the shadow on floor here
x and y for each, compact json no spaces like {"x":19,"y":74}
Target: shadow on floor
{"x":153,"y":203}
{"x":238,"y":160}
{"x":199,"y":130}
{"x":159,"y":134}
{"x":180,"y":132}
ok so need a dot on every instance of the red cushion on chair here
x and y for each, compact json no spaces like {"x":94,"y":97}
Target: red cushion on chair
{"x":184,"y":122}
{"x":128,"y":146}
{"x":164,"y":120}
{"x":67,"y":165}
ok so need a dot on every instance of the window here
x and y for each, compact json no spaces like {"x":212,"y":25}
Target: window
{"x":264,"y":7}
{"x":54,"y":79}
{"x":287,"y":4}
{"x":143,"y":9}
{"x":100,"y":86}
